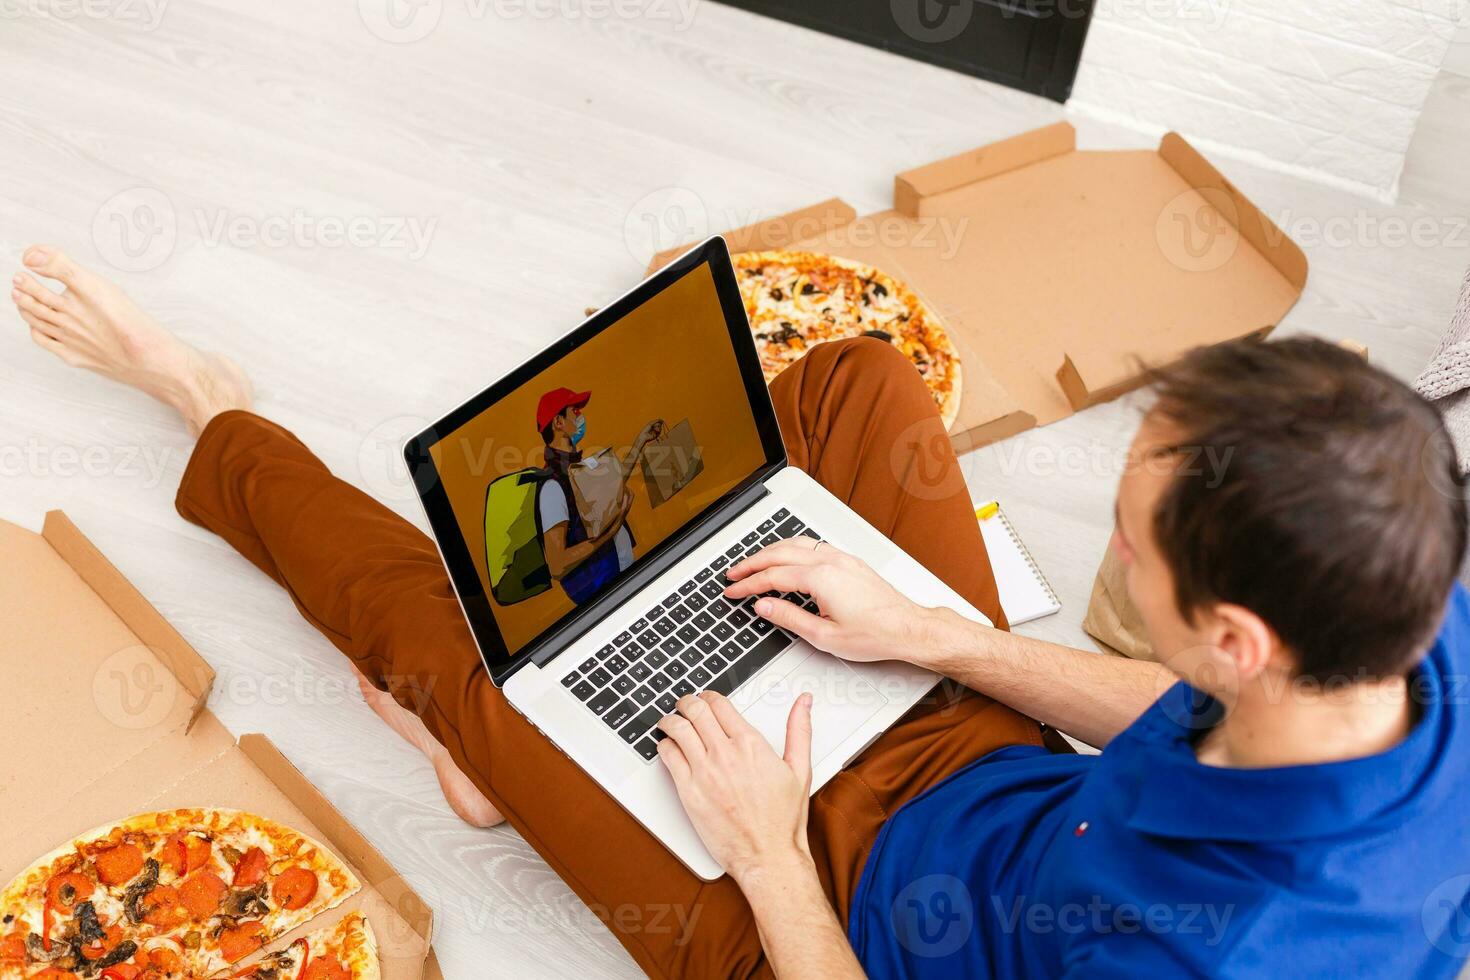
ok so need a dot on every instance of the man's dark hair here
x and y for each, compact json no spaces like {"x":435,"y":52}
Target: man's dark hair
{"x":1316,"y":491}
{"x":547,"y":433}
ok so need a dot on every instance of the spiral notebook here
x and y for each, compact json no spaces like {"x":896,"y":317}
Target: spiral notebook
{"x":1025,"y":593}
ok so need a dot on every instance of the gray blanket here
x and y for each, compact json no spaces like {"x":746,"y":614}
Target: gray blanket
{"x":1446,"y":381}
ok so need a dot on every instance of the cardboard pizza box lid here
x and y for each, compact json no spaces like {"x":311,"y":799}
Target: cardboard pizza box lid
{"x":1061,"y":274}
{"x":104,"y":716}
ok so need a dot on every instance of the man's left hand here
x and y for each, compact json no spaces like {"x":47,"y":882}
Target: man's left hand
{"x":748,"y":804}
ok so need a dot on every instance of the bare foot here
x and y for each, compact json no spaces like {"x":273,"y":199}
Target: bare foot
{"x":464,"y":797}
{"x":94,"y":325}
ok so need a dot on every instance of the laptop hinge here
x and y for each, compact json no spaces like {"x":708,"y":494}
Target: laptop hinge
{"x":692,"y":537}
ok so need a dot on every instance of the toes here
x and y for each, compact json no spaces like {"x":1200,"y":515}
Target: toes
{"x":32,"y":287}
{"x":56,"y":318}
{"x":53,"y":263}
{"x":44,"y":337}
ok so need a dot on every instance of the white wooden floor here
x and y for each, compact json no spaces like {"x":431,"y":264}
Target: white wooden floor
{"x":541,"y":155}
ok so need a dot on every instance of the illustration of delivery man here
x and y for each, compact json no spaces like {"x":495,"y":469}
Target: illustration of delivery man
{"x":581,"y":564}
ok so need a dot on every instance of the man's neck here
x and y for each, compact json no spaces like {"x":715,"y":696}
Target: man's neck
{"x":1276,"y":722}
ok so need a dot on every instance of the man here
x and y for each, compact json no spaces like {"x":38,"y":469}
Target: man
{"x":1296,"y":805}
{"x":582,"y":563}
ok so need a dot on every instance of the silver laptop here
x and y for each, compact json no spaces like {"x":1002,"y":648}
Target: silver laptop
{"x":587,"y":506}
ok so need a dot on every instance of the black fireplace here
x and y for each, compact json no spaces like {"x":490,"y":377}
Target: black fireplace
{"x":1033,"y":45}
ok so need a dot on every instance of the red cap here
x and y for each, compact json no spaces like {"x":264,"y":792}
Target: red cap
{"x":556,"y":401}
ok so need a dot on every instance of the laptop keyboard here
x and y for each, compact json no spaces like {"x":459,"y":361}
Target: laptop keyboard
{"x":694,"y":640}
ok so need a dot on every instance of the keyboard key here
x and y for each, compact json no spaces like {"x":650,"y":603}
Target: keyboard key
{"x":641,"y":723}
{"x":769,"y":540}
{"x":680,"y":613}
{"x":750,"y":539}
{"x":665,"y":705}
{"x":588,"y":665}
{"x":739,"y":618}
{"x":683,"y":689}
{"x":719,"y":563}
{"x":703,"y":621}
{"x":716,"y":663}
{"x":599,"y":677}
{"x":746,"y":639}
{"x":671,"y":647}
{"x":639,"y":625}
{"x":712,"y":589}
{"x":704,"y":574}
{"x":781,"y":515}
{"x":583,"y":691}
{"x":719,"y":608}
{"x":723,"y":630}
{"x":676,"y":669}
{"x":640,"y":671}
{"x":671,"y":600}
{"x":761,"y":626}
{"x":647,"y":748}
{"x":623,"y":684}
{"x":688,"y":587}
{"x":700,"y":677}
{"x":622,"y":639}
{"x":734,"y":551}
{"x":658,"y":682}
{"x":656,"y":659}
{"x":687,"y":633}
{"x":632,"y":652}
{"x":790,"y":529}
{"x":615,"y":665}
{"x":811,"y":606}
{"x":693,"y":656}
{"x":743,"y":669}
{"x":648,"y":638}
{"x":620,"y":714}
{"x":707,"y":643}
{"x":644,"y":695}
{"x":765,"y":526}
{"x":697,"y":601}
{"x":604,"y":700}
{"x":811,"y":533}
{"x":606,"y":652}
{"x":570,"y":679}
{"x":730,"y":651}
{"x":665,"y":626}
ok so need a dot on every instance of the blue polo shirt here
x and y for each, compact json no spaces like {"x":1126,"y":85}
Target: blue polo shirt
{"x":1143,"y":862}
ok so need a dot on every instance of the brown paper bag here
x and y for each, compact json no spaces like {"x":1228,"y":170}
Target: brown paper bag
{"x":597,"y":483}
{"x":671,"y":462}
{"x":1111,"y":618}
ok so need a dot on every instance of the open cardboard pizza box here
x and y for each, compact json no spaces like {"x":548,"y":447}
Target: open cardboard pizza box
{"x":102,"y":714}
{"x":1060,"y":273}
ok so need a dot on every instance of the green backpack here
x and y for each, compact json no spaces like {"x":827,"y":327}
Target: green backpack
{"x":514,"y":554}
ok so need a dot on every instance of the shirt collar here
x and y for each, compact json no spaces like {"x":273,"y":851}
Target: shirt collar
{"x":1182,"y":798}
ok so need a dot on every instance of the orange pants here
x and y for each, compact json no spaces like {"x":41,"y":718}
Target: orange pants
{"x":853,"y":414}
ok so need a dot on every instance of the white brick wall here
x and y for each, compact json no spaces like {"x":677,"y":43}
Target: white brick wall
{"x":1328,"y":88}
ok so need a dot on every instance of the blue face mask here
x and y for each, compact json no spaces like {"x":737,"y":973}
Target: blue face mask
{"x":576,"y":436}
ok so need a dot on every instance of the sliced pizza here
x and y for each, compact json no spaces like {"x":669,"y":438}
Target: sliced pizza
{"x":175,"y":893}
{"x":796,"y":300}
{"x":346,"y":951}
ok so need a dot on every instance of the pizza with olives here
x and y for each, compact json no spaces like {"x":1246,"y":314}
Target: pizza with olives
{"x":178,"y":893}
{"x":346,"y":951}
{"x":796,"y":300}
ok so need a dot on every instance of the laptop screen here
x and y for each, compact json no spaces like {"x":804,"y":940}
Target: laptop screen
{"x":564,"y":482}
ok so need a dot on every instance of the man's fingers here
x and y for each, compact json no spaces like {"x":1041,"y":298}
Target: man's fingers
{"x":792,"y":551}
{"x":799,"y":738}
{"x":682,"y":731}
{"x":780,"y":578}
{"x":674,"y":760}
{"x":732,"y":721}
{"x":711,"y":731}
{"x":792,"y":617}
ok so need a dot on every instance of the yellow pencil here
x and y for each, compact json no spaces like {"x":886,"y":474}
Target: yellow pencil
{"x":987,"y":511}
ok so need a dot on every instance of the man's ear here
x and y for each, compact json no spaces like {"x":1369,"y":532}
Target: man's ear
{"x":1245,"y":637}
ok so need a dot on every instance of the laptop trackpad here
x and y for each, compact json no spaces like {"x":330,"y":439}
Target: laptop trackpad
{"x":841,"y":702}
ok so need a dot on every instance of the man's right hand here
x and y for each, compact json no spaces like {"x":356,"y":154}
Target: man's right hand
{"x":862,"y":617}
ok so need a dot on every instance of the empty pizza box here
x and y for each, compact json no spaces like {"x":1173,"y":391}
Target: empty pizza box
{"x":103,"y":716}
{"x":1061,"y":273}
